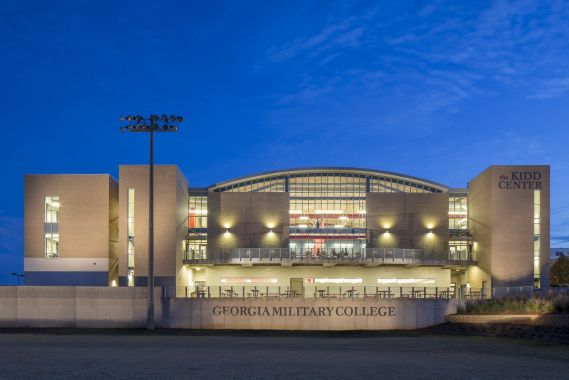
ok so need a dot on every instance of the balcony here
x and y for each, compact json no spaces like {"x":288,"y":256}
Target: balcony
{"x":367,"y":257}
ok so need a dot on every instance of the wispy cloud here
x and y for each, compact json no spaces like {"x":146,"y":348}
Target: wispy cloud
{"x":445,"y":56}
{"x":551,"y":88}
{"x":336,"y":36}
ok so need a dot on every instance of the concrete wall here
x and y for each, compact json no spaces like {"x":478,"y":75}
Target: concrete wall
{"x":248,"y":217}
{"x":170,"y":222}
{"x":305,"y":314}
{"x":88,"y":204}
{"x":98,"y":307}
{"x":501,"y":221}
{"x":57,"y":306}
{"x":408,"y":218}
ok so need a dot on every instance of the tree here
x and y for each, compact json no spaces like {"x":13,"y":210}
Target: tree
{"x":560,"y":271}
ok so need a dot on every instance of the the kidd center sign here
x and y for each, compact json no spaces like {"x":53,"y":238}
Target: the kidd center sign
{"x":520,"y":180}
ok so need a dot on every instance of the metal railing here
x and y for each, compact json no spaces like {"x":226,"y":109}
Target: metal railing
{"x":323,"y":291}
{"x":513,"y":291}
{"x":320,"y":256}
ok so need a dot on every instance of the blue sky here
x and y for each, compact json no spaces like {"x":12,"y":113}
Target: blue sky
{"x":437,"y":89}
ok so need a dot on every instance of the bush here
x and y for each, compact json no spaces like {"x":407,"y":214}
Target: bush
{"x":516,"y":305}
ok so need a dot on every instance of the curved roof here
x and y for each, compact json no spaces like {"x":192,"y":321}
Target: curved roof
{"x":339,"y":170}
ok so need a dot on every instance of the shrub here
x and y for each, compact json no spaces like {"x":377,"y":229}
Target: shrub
{"x":516,"y":305}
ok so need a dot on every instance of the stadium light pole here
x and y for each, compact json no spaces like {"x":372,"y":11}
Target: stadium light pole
{"x":150,"y":124}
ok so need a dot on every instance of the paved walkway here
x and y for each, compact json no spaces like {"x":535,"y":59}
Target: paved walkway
{"x":263,"y":355}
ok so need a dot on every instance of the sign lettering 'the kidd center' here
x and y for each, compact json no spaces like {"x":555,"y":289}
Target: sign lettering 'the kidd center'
{"x":521,"y":181}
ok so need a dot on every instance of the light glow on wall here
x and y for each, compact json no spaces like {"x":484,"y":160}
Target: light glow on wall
{"x":338,"y":280}
{"x":406,"y":281}
{"x":248,"y":280}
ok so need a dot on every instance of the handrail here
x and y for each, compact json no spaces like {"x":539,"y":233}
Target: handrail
{"x":344,"y":291}
{"x":368,"y":255}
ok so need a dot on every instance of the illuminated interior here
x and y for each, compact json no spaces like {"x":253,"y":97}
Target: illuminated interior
{"x":327,"y":206}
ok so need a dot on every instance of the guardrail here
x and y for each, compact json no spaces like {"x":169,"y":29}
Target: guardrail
{"x":324,"y":291}
{"x":366,"y":256}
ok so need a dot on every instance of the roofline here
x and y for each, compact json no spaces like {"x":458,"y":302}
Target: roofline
{"x":331,"y":169}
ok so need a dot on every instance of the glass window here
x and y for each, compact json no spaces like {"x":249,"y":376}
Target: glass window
{"x":130,"y":237}
{"x":52,"y":209}
{"x":51,"y":227}
{"x":51,"y":245}
{"x":536,"y":238}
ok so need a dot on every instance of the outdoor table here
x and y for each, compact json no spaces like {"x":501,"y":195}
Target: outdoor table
{"x":255,"y":292}
{"x":290,"y":293}
{"x":351,"y":293}
{"x":417,"y":293}
{"x":384,"y":294}
{"x":229,"y":293}
{"x":321,"y":293}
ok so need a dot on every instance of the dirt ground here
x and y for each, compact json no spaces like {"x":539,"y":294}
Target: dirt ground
{"x":112,"y":354}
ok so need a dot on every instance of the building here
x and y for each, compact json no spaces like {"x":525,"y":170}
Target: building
{"x":295,"y":228}
{"x":556,"y":253}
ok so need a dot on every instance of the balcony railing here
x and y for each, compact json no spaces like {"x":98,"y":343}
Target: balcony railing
{"x":324,"y":291}
{"x":369,"y":256}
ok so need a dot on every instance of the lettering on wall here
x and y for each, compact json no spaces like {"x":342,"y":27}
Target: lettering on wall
{"x":305,"y":311}
{"x":520,"y":181}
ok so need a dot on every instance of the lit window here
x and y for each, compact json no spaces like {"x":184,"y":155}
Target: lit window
{"x":536,"y":238}
{"x":248,"y":280}
{"x":406,"y":281}
{"x":51,"y":226}
{"x":130,"y":236}
{"x":338,"y":280}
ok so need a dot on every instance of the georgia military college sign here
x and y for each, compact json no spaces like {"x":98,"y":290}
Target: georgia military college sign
{"x":306,"y":311}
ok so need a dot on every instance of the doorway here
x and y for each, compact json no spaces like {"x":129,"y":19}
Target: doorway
{"x":297,"y":287}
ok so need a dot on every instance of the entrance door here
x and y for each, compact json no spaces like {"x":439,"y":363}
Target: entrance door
{"x":297,"y":286}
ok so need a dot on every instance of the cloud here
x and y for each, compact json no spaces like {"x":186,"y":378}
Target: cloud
{"x":336,"y":36}
{"x":445,"y":56}
{"x":552,"y":88}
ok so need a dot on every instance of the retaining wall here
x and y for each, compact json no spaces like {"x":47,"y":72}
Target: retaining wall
{"x":74,"y":306}
{"x":305,"y":314}
{"x":124,"y":307}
